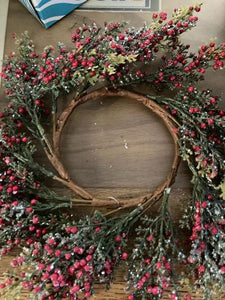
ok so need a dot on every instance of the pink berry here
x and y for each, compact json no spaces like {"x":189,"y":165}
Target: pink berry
{"x":124,"y":256}
{"x":191,"y":89}
{"x":150,"y":238}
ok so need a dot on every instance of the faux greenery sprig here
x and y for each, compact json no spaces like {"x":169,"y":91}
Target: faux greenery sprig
{"x":151,"y":262}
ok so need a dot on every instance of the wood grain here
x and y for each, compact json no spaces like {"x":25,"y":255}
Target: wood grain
{"x":112,"y":147}
{"x":116,"y":143}
{"x":3,"y":21}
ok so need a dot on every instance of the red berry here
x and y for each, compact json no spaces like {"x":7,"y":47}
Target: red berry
{"x":73,"y":230}
{"x":35,"y":220}
{"x":24,"y":139}
{"x":203,"y":48}
{"x":121,"y":36}
{"x":201,"y":269}
{"x":150,"y":238}
{"x":188,"y":297}
{"x":113,"y":45}
{"x":75,"y":289}
{"x":57,"y":253}
{"x":210,"y":197}
{"x":118,"y":239}
{"x":29,"y":209}
{"x":97,"y":229}
{"x":158,"y":265}
{"x":203,"y":126}
{"x":87,"y":295}
{"x":191,"y":89}
{"x":210,"y":121}
{"x":124,"y":256}
{"x":89,"y":257}
{"x":21,"y":110}
{"x":33,"y":201}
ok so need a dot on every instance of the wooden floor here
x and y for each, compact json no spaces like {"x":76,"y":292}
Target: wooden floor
{"x":3,"y":22}
{"x":114,"y":148}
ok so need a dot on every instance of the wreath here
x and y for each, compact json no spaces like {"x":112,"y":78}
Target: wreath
{"x":62,"y":257}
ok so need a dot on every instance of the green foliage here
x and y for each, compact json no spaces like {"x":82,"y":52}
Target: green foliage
{"x":222,"y":187}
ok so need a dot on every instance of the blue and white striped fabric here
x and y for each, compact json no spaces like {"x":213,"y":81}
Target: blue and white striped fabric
{"x":51,"y":11}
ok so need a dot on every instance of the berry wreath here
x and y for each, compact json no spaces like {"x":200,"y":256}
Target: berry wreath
{"x":61,"y":257}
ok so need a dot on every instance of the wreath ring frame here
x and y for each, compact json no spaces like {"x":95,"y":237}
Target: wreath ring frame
{"x":155,"y":108}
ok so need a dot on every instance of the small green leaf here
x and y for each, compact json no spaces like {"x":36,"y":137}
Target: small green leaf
{"x":222,"y":187}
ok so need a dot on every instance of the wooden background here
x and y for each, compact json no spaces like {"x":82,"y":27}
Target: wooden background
{"x":114,"y":147}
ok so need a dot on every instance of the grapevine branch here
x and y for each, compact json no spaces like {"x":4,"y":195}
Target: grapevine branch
{"x":54,"y":155}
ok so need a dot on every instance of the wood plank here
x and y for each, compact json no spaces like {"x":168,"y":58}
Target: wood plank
{"x":4,"y":4}
{"x":114,"y":148}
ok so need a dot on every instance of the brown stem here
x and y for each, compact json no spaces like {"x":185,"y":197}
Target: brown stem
{"x":54,"y":118}
{"x":64,"y":176}
{"x":107,"y":202}
{"x":57,"y":164}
